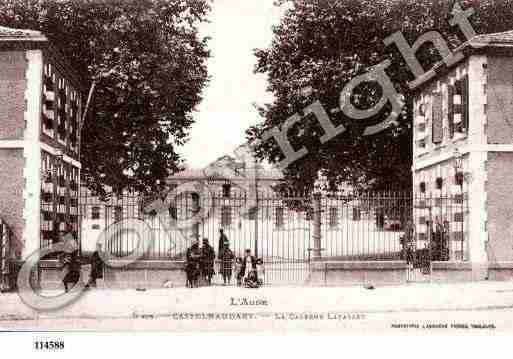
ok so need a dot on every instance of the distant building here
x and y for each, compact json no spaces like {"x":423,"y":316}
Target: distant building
{"x":98,"y":214}
{"x":40,"y":109}
{"x":281,"y":229}
{"x":466,"y":109}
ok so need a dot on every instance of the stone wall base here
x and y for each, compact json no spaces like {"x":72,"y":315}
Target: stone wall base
{"x":453,"y":272}
{"x":159,"y":274}
{"x":140,"y":274}
{"x":346,"y":273}
{"x":500,"y":271}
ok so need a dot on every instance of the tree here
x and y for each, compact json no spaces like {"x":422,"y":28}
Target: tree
{"x":149,"y":64}
{"x":322,"y":45}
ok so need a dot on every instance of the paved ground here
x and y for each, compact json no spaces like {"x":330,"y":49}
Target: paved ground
{"x":469,"y":305}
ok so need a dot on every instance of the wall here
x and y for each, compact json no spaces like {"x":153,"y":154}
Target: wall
{"x":500,"y":104}
{"x":11,"y":189}
{"x":141,"y":274}
{"x":437,"y":160}
{"x":12,"y":91}
{"x":340,"y":273}
{"x":32,"y":152}
{"x":13,"y":83}
{"x":500,"y":206}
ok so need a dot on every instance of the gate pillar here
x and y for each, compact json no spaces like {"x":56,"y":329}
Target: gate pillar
{"x":317,"y":222}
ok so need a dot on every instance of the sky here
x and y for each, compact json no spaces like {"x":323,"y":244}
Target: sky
{"x":236,"y":28}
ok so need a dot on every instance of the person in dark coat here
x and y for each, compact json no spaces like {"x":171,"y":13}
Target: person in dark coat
{"x":96,"y":267}
{"x":192,"y":267}
{"x":239,"y":274}
{"x":71,"y":269}
{"x":221,"y":245}
{"x":208,"y":256}
{"x":227,"y":264}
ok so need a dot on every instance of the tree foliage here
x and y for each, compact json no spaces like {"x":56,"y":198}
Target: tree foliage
{"x":323,"y":44}
{"x":150,"y":66}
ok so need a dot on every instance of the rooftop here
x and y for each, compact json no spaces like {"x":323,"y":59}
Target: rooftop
{"x":193,"y":174}
{"x":10,"y":34}
{"x":498,"y":40}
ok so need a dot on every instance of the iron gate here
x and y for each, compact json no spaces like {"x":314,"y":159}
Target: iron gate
{"x":6,"y":257}
{"x":438,"y":233}
{"x":289,"y":231}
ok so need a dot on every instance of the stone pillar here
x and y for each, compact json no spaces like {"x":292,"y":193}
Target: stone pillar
{"x":317,"y":220}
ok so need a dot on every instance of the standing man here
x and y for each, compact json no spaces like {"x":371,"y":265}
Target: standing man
{"x":207,"y":261}
{"x":96,"y":267}
{"x":221,"y":245}
{"x":71,"y":266}
{"x":192,"y":267}
{"x":70,"y":269}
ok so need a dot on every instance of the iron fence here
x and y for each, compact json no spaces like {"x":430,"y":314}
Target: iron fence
{"x":288,"y":231}
{"x":6,"y":257}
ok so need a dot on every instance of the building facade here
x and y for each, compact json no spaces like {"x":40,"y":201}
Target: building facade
{"x":463,"y":148}
{"x":40,"y":114}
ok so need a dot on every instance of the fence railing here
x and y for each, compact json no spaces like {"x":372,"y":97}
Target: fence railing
{"x":6,"y":256}
{"x":290,"y":228}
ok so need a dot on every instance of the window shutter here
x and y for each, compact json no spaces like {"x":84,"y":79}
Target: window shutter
{"x":464,"y":103}
{"x":437,"y":124}
{"x":450,"y":109}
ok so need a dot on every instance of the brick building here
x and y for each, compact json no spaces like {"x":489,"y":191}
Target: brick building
{"x":39,"y":119}
{"x":463,"y":148}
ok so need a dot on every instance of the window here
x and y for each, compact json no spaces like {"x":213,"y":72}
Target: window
{"x":253,"y":213}
{"x":422,"y":110}
{"x":95,"y":212}
{"x":462,"y":89}
{"x":118,"y":213}
{"x":227,"y":190}
{"x":439,"y":183}
{"x":279,"y":220}
{"x":357,"y":214}
{"x":309,"y":213}
{"x":226,"y":216}
{"x":333,"y":217}
{"x":173,"y":212}
{"x":458,"y":114}
{"x":422,"y":187}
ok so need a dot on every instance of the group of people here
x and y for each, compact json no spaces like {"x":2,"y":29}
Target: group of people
{"x":249,"y":271}
{"x":200,"y":263}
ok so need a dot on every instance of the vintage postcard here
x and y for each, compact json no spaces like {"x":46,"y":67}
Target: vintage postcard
{"x":256,"y":166}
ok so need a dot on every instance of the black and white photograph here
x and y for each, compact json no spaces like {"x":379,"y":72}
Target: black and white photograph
{"x":256,"y":166}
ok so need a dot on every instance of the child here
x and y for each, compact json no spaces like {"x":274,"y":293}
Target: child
{"x":251,"y":280}
{"x":260,"y":271}
{"x":238,"y":271}
{"x":226,"y":265}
